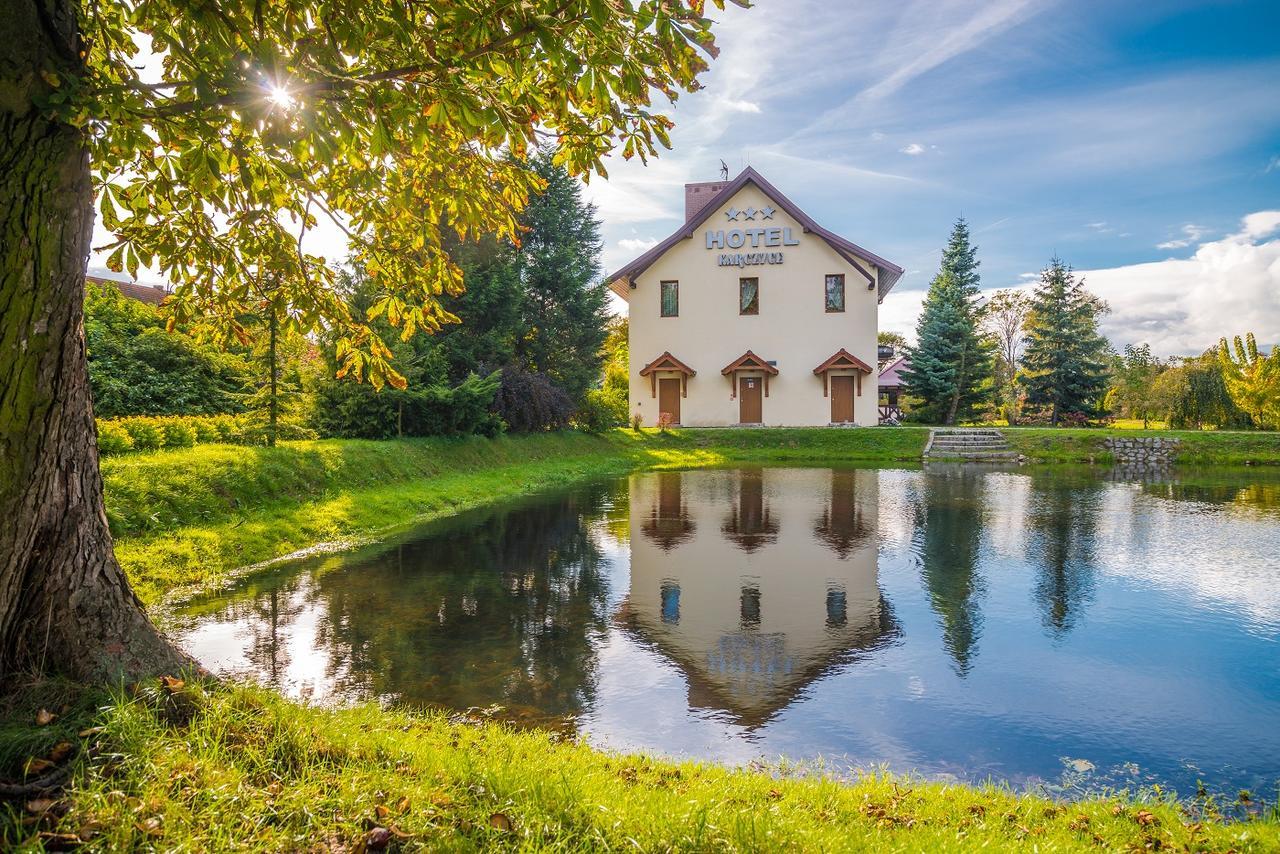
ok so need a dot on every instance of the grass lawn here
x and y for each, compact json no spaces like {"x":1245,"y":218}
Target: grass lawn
{"x":240,"y":768}
{"x":1198,"y":447}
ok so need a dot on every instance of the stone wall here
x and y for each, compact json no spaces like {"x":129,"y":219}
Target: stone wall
{"x":1145,"y":452}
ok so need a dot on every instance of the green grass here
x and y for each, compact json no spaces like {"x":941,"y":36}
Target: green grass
{"x":1198,"y":448}
{"x":190,"y":517}
{"x":240,"y":768}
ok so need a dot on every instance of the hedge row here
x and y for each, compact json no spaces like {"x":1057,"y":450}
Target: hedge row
{"x":154,"y":432}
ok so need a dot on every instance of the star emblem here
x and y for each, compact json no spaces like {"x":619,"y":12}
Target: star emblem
{"x":732,"y":213}
{"x":750,"y":212}
{"x":766,"y":212}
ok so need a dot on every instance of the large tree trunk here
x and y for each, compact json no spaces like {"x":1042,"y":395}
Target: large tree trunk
{"x":65,"y":606}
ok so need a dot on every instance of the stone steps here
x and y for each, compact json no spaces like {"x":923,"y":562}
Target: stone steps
{"x":977,"y":445}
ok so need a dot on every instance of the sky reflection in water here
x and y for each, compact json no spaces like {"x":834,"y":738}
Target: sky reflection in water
{"x":952,"y":622}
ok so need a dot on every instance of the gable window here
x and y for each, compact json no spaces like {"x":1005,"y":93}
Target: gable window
{"x":670,"y":299}
{"x":749,"y":296}
{"x":835,"y":292}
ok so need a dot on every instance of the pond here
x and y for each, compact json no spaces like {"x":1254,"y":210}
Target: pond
{"x":1041,"y":627}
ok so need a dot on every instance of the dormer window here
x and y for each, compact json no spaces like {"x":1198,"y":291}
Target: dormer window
{"x":749,"y":295}
{"x":835,"y":292}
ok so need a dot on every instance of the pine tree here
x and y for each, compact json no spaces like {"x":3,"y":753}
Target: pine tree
{"x":951,"y":362}
{"x":1064,"y":366}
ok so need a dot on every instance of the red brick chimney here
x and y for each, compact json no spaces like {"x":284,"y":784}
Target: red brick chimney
{"x":697,"y":195}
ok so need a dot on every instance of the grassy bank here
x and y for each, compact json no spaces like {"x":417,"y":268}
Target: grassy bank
{"x":189,"y":517}
{"x":1197,"y":447}
{"x":243,"y":769}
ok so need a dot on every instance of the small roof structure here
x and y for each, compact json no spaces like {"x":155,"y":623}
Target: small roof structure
{"x":749,"y":361}
{"x":890,"y":377}
{"x":619,"y":282}
{"x":842,"y":359}
{"x":153,"y":294}
{"x":667,"y":362}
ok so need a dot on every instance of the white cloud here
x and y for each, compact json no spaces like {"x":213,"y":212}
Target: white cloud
{"x":1191,"y":234}
{"x":913,"y":149}
{"x":638,"y":244}
{"x":1182,"y":306}
{"x":1272,"y":165}
{"x":740,"y":106}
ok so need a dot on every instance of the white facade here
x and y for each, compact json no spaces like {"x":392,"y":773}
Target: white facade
{"x":749,"y":230}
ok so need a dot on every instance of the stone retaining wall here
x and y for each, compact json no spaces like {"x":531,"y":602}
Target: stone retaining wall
{"x":1146,"y":452}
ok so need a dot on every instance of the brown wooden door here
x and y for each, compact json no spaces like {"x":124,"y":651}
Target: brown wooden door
{"x":669,"y":398}
{"x":750,"y":392}
{"x":841,"y":400}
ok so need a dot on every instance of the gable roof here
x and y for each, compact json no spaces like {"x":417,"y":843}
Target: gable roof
{"x":889,"y":376}
{"x":667,"y":362}
{"x":846,"y":249}
{"x":749,"y":361}
{"x":842,"y":358}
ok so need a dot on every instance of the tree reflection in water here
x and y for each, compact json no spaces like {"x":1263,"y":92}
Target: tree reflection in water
{"x":1062,"y":526}
{"x":948,"y":539}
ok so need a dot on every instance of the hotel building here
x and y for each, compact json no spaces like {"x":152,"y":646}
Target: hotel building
{"x":752,"y":313}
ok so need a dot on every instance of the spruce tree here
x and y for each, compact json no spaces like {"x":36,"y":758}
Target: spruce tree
{"x":1064,"y":366}
{"x":951,"y":362}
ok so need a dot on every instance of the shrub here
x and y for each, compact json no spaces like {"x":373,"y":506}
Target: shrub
{"x":143,"y":431}
{"x":206,"y":429}
{"x":636,"y":421}
{"x":597,"y":413}
{"x":229,"y":429}
{"x":351,"y":410}
{"x":177,"y":432}
{"x":529,"y":402}
{"x":113,"y":439}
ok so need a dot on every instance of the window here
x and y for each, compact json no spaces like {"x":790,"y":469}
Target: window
{"x":670,"y":299}
{"x":749,"y":607}
{"x":670,"y":593}
{"x":748,"y":296}
{"x":835,"y":292}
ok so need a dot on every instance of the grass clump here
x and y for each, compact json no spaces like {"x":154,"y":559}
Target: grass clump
{"x":240,"y":768}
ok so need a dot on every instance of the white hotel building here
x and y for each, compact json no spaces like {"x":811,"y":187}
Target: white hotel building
{"x":752,"y":313}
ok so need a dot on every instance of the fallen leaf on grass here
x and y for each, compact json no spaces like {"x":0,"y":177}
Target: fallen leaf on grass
{"x":39,"y":806}
{"x":60,"y":751}
{"x":1144,"y":818}
{"x":36,"y":765}
{"x":172,"y":683}
{"x":44,"y":717}
{"x":500,"y":821}
{"x":60,"y":841}
{"x":149,"y":826}
{"x":93,"y":730}
{"x":402,"y":805}
{"x":377,"y":839}
{"x":382,"y":811}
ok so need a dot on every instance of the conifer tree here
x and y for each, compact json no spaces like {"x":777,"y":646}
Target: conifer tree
{"x":951,"y":362}
{"x":1064,"y":366}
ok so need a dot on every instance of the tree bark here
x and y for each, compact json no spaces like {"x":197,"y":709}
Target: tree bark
{"x":65,"y":605}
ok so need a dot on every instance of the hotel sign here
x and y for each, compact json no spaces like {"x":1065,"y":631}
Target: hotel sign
{"x":756,"y":238}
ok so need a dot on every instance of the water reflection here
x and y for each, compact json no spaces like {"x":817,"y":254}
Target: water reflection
{"x":760,"y":621}
{"x":500,"y":608}
{"x":953,"y":621}
{"x":948,"y":510}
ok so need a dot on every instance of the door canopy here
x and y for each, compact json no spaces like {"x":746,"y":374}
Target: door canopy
{"x":667,"y":362}
{"x":748,"y":361}
{"x":841,"y":360}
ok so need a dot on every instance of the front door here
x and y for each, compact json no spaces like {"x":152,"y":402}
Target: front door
{"x":841,"y":400}
{"x":750,"y":391}
{"x":669,"y":398}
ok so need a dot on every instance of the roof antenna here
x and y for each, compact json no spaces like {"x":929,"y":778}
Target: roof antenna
{"x":724,"y":170}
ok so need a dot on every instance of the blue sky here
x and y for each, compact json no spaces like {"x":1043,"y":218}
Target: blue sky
{"x":1131,"y":139}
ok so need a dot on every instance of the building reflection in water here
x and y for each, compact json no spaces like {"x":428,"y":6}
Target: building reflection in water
{"x":750,"y":524}
{"x":668,"y":523}
{"x":757,"y":608}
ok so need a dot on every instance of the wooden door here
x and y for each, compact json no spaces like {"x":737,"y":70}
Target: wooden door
{"x":841,"y":400}
{"x":669,"y":398}
{"x":750,"y":391}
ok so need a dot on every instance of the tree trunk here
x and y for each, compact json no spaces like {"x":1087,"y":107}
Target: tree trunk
{"x":65,"y":606}
{"x":950,"y":420}
{"x":273,"y":404}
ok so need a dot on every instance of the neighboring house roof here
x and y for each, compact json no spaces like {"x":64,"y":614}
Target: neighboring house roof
{"x":847,"y":249}
{"x":153,"y":294}
{"x":842,"y":358}
{"x":890,"y":376}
